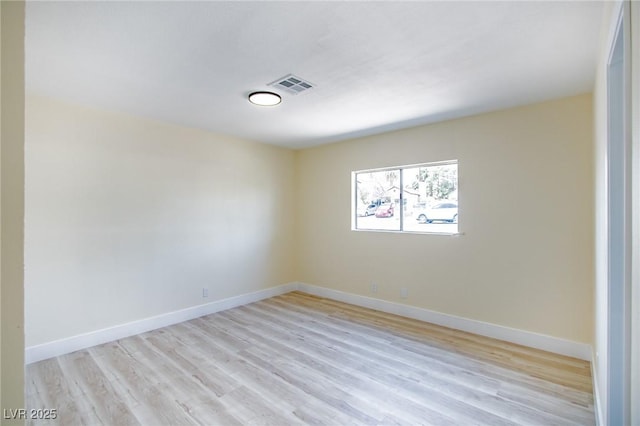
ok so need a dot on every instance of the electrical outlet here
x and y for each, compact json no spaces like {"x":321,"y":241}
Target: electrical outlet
{"x":404,"y":292}
{"x":205,"y":292}
{"x":374,"y":288}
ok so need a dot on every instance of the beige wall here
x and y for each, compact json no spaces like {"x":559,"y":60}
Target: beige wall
{"x":11,"y":206}
{"x":526,"y":211}
{"x":128,"y":218}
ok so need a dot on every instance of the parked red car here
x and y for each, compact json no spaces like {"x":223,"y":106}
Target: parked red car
{"x":385,"y":210}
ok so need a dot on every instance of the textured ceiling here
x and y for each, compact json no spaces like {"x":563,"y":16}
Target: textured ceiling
{"x":375,"y":66}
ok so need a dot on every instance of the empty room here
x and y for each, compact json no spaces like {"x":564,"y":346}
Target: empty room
{"x":370,"y":213}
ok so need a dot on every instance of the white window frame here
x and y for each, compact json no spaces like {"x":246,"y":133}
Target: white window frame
{"x":354,"y":198}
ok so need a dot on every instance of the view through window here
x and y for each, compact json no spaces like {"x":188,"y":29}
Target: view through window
{"x":417,"y":198}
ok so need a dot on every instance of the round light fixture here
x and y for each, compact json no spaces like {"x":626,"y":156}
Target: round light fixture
{"x":265,"y":98}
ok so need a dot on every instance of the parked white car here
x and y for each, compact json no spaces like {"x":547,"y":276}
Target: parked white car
{"x":443,"y":212}
{"x":369,"y":210}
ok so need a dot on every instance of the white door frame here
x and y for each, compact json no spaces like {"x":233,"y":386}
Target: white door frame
{"x":634,"y":12}
{"x":619,"y":228}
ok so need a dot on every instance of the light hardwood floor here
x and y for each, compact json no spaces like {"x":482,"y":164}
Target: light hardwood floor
{"x":300,"y":359}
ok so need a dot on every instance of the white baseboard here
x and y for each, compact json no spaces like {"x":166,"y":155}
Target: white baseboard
{"x":540,"y":341}
{"x":71,"y":344}
{"x":521,"y":337}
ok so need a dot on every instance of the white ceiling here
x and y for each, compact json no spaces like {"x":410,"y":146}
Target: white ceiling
{"x":376,"y":66}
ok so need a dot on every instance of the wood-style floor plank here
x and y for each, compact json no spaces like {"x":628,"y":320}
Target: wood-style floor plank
{"x":299,"y":359}
{"x":431,"y":378}
{"x":463,"y":369}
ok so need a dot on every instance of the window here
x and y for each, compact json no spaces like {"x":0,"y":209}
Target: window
{"x":417,"y":198}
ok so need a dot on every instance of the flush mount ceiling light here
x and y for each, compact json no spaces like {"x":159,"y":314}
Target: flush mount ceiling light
{"x":265,"y":98}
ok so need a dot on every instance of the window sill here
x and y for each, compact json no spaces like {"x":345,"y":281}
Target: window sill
{"x":390,"y":231}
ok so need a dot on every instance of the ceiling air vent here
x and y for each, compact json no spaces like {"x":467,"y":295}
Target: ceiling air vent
{"x":292,"y":84}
